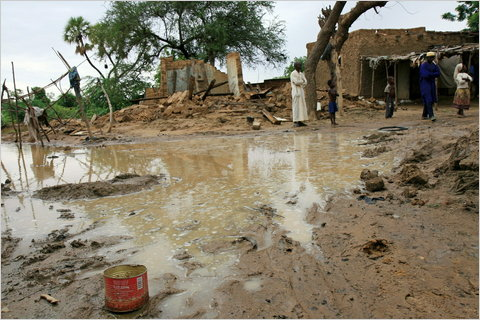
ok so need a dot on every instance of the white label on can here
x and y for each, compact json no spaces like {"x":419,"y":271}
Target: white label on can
{"x":139,"y":283}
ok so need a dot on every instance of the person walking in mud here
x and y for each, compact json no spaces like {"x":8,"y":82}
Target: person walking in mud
{"x":299,"y":106}
{"x":461,"y":101}
{"x":389,"y":97}
{"x":428,"y":72}
{"x":332,"y":101}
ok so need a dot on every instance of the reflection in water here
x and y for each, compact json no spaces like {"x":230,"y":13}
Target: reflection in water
{"x":212,"y":186}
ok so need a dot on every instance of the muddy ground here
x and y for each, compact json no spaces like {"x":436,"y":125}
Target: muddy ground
{"x":405,"y":246}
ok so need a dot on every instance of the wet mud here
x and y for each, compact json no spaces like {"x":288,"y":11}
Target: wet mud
{"x":121,"y":184}
{"x":411,"y":253}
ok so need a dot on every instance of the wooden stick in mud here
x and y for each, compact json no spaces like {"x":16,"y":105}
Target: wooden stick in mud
{"x":16,"y":107}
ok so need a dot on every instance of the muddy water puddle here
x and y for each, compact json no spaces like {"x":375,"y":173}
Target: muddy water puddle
{"x":213,"y":190}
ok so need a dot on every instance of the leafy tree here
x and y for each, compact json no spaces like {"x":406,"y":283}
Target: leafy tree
{"x":205,"y":30}
{"x":289,"y":69}
{"x":68,"y":101}
{"x":40,"y":97}
{"x":466,"y":10}
{"x":121,"y":93}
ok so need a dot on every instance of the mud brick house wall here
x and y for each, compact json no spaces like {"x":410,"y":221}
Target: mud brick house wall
{"x":235,"y":73}
{"x":357,"y":74}
{"x":175,"y":76}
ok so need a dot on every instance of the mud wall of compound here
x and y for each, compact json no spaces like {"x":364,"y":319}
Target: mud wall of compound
{"x":175,"y":76}
{"x":357,"y":76}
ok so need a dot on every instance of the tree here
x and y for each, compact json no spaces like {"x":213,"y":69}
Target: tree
{"x":68,"y":101}
{"x":329,"y":23}
{"x":466,"y":10}
{"x":76,"y":31}
{"x":205,"y":30}
{"x":289,"y":69}
{"x":40,"y":97}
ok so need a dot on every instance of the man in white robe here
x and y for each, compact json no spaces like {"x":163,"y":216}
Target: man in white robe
{"x":299,"y":106}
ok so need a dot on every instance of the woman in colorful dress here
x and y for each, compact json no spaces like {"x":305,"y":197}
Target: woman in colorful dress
{"x":461,"y":101}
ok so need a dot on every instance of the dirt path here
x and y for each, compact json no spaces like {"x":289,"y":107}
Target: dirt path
{"x":409,"y":250}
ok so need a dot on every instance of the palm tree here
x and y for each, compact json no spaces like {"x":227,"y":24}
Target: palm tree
{"x":76,"y":30}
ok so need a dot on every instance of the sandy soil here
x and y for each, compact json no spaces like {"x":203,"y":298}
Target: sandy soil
{"x":408,"y":248}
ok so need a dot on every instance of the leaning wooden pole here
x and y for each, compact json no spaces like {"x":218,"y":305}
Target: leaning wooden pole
{"x":16,"y":108}
{"x":38,"y":127}
{"x":82,"y":110}
{"x":76,"y":88}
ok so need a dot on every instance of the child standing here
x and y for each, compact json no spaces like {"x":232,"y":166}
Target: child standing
{"x":332,"y":101}
{"x":389,"y":97}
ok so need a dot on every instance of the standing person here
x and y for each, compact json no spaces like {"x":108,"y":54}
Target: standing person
{"x":299,"y":106}
{"x":428,"y":72}
{"x":389,"y":97}
{"x":461,"y":101}
{"x":332,"y":101}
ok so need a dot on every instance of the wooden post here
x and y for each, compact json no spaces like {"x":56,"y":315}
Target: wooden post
{"x":10,"y":109}
{"x":82,"y":110}
{"x":79,"y":97}
{"x":436,"y":83}
{"x":360,"y":78}
{"x":34,"y":121}
{"x":373,"y":80}
{"x":16,"y":107}
{"x":395,"y":75}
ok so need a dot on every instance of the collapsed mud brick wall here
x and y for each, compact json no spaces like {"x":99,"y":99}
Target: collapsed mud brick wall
{"x":357,"y":74}
{"x":235,"y":74}
{"x":175,"y":76}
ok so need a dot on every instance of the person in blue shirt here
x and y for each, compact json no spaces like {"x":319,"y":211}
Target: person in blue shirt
{"x":428,"y":72}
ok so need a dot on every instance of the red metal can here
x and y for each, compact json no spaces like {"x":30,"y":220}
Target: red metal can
{"x":126,"y":287}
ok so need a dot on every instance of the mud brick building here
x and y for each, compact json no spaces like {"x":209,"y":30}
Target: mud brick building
{"x":369,"y":56}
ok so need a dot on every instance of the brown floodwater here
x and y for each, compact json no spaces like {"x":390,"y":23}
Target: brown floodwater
{"x":214,"y":187}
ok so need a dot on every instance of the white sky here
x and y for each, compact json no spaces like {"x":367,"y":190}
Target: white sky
{"x":29,"y":30}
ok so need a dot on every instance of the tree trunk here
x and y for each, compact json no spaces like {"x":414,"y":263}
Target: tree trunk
{"x":314,"y":57}
{"x":88,"y":59}
{"x":345,"y":21}
{"x":112,"y":120}
{"x":339,"y":83}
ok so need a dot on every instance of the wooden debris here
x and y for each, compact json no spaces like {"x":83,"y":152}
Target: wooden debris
{"x":233,"y":111}
{"x":261,"y":95}
{"x":49,"y":298}
{"x":210,"y":87}
{"x":256,"y":125}
{"x":269,"y":116}
{"x":215,"y":86}
{"x":281,"y":119}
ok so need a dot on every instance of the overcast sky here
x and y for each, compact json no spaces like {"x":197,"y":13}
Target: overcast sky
{"x":29,"y":30}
